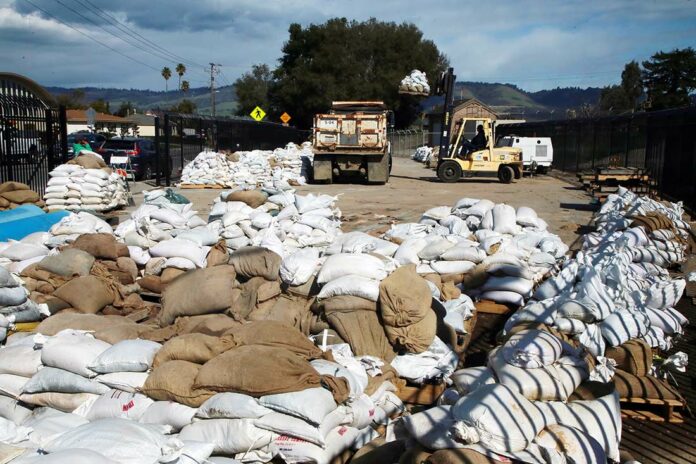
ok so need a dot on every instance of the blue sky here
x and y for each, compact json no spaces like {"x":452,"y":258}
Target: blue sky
{"x":533,"y":44}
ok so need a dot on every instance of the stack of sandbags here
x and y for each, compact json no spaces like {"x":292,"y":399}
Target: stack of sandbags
{"x":415,"y":82}
{"x":15,"y":305}
{"x":13,"y":194}
{"x":208,"y":168}
{"x":74,"y":225}
{"x":74,"y":188}
{"x":295,"y":162}
{"x":16,"y":255}
{"x":422,"y":154}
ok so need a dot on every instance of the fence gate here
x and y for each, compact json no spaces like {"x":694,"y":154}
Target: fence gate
{"x":33,"y":136}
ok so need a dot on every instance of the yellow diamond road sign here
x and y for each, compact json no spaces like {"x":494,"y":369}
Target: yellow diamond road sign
{"x":258,"y":114}
{"x":285,"y":117}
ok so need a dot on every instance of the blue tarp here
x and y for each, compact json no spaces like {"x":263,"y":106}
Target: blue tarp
{"x":20,"y":227}
{"x":20,"y":212}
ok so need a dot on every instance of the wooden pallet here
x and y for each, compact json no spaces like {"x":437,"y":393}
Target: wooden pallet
{"x":491,"y":307}
{"x":202,"y":186}
{"x":424,"y":395}
{"x":652,"y":409}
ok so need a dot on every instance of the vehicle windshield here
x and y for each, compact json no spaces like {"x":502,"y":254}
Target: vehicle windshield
{"x":116,"y":144}
{"x":504,"y":142}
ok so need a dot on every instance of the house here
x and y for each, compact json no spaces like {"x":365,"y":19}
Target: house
{"x":471,"y":108}
{"x":143,"y":124}
{"x":77,"y":121}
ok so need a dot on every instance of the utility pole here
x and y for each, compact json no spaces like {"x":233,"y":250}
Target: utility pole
{"x":214,"y":70}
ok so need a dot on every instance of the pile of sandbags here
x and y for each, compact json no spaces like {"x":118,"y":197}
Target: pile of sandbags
{"x":422,"y":154}
{"x":416,"y":82}
{"x":15,"y":305}
{"x":209,"y":168}
{"x":74,"y":188}
{"x":16,"y":255}
{"x":13,"y":194}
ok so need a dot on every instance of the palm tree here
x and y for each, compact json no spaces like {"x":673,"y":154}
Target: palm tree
{"x":185,"y":86}
{"x":166,"y":73}
{"x":180,"y":70}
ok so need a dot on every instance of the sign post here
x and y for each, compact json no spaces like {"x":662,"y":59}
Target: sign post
{"x":91,"y":118}
{"x":285,"y":117}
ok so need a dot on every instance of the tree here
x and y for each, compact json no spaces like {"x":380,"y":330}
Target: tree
{"x":624,"y":97}
{"x":350,"y":60}
{"x":614,"y":99}
{"x":185,"y":86}
{"x":185,"y":106}
{"x":125,"y":109}
{"x":180,"y":70}
{"x":166,"y":73}
{"x":72,"y":100}
{"x":670,"y":78}
{"x":100,"y":106}
{"x":252,"y":89}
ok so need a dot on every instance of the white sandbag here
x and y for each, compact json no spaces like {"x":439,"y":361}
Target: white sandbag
{"x":526,"y":216}
{"x":50,"y":379}
{"x":201,"y":237}
{"x":480,"y":208}
{"x":137,"y":254}
{"x":570,"y":326}
{"x":12,"y":296}
{"x":343,"y":264}
{"x":435,"y":249}
{"x":571,"y":442}
{"x":284,"y":424}
{"x":530,"y":349}
{"x":19,"y":251}
{"x":464,"y":253}
{"x":311,"y":405}
{"x":130,"y":382}
{"x":407,"y":253}
{"x":21,"y":359}
{"x":665,"y":294}
{"x":11,"y":385}
{"x":181,"y":248}
{"x":230,"y":436}
{"x":465,"y":203}
{"x":11,"y":433}
{"x":354,"y":285}
{"x":508,"y":284}
{"x":261,"y":220}
{"x":347,"y":367}
{"x":563,"y":282}
{"x":170,"y":217}
{"x":438,"y":213}
{"x":168,"y":413}
{"x":115,"y":404}
{"x":438,"y":361}
{"x":665,"y":321}
{"x":72,"y":351}
{"x":469,"y":379}
{"x":126,"y":356}
{"x":621,"y":326}
{"x":503,"y":297}
{"x":295,"y":451}
{"x":452,"y":267}
{"x":12,"y":410}
{"x":231,"y":406}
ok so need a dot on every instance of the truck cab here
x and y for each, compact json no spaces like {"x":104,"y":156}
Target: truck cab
{"x":352,"y":140}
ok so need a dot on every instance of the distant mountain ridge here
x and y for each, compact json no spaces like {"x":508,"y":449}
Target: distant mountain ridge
{"x":508,"y":100}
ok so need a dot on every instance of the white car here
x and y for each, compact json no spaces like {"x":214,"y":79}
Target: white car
{"x":536,"y":151}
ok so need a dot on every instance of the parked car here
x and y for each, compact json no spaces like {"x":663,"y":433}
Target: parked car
{"x":142,"y":154}
{"x":95,"y":141}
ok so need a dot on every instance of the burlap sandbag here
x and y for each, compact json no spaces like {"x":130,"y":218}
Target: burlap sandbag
{"x":634,"y":357}
{"x":67,"y":263}
{"x":34,"y":272}
{"x":21,"y":196}
{"x":169,"y":274}
{"x":404,"y":297}
{"x":13,"y":186}
{"x":151,"y":284}
{"x":253,"y":198}
{"x":363,"y":332}
{"x":308,"y":289}
{"x":251,"y":262}
{"x":460,"y":456}
{"x":345,"y":303}
{"x":193,"y":347}
{"x":274,"y":334}
{"x":591,"y":390}
{"x":88,"y":294}
{"x":414,"y":338}
{"x":415,"y":454}
{"x":118,"y":333}
{"x":54,"y":304}
{"x":379,"y":451}
{"x":174,"y":381}
{"x":263,"y":370}
{"x":4,"y":204}
{"x":54,"y":324}
{"x":100,"y":245}
{"x":218,"y":255}
{"x":114,"y":272}
{"x":449,"y":291}
{"x":286,"y":309}
{"x":202,"y":291}
{"x":652,"y":221}
{"x":648,"y":387}
{"x":207,"y":324}
{"x":88,"y":161}
{"x":252,"y":292}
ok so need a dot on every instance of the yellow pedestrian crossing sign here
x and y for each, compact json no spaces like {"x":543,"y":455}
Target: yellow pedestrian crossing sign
{"x":285,"y":117}
{"x":258,"y":114}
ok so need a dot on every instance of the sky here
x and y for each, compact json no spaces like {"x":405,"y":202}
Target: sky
{"x":533,"y":44}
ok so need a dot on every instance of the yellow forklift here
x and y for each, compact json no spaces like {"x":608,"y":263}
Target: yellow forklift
{"x":462,"y":160}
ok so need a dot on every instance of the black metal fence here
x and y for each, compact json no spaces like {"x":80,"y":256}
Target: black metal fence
{"x":664,"y":142}
{"x":180,"y":138}
{"x":33,"y":137}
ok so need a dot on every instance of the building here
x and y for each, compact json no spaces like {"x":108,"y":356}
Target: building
{"x":143,"y":124}
{"x":471,"y":108}
{"x":116,"y":125}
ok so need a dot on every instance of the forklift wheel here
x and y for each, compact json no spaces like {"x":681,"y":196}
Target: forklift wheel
{"x":505,"y":174}
{"x":449,"y":171}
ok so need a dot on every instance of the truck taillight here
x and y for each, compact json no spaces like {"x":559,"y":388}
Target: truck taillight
{"x":135,"y":152}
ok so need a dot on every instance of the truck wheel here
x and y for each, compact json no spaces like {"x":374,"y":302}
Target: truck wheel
{"x":449,"y":171}
{"x":505,"y":174}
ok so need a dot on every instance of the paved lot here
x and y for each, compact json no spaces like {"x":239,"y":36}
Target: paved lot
{"x":413,"y":188}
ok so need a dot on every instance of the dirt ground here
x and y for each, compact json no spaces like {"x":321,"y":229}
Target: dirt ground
{"x":413,"y":189}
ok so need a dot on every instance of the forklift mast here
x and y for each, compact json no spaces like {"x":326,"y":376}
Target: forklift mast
{"x":446,"y":87}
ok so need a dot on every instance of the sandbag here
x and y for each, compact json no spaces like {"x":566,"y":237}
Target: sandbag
{"x":65,"y":402}
{"x":571,"y":442}
{"x":414,"y":338}
{"x":90,"y":322}
{"x":646,"y":387}
{"x":88,"y":294}
{"x":175,"y":381}
{"x":351,"y":285}
{"x":73,"y":352}
{"x":276,"y":335}
{"x":253,"y":198}
{"x":298,"y":268}
{"x":68,"y":263}
{"x":230,"y":436}
{"x":404,"y":297}
{"x":102,"y":246}
{"x":54,"y":380}
{"x":198,"y":292}
{"x":531,"y":349}
{"x":232,"y":406}
{"x":362,"y":330}
{"x":634,"y":357}
{"x":343,"y":264}
{"x":126,"y":356}
{"x":21,"y":196}
{"x":621,"y":326}
{"x":168,"y":413}
{"x":193,"y":347}
{"x":251,"y":262}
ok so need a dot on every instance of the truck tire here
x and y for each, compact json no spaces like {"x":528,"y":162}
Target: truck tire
{"x":378,"y":171}
{"x":506,"y":174}
{"x":449,"y":171}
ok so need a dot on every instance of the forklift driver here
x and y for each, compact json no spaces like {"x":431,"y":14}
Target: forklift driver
{"x":477,"y":143}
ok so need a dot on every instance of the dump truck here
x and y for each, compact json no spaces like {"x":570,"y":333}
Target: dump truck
{"x":351,"y":141}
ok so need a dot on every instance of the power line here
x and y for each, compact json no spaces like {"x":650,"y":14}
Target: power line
{"x":90,"y":37}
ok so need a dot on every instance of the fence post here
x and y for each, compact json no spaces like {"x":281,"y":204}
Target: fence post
{"x":167,"y":170}
{"x":628,"y":140}
{"x":50,"y":139}
{"x":594,"y":142}
{"x":199,"y":135}
{"x":158,"y":152}
{"x":63,"y":123}
{"x":181,"y":141}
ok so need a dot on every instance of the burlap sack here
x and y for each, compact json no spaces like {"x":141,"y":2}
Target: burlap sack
{"x":88,"y":161}
{"x":363,"y":331}
{"x":474,"y":278}
{"x":263,"y":370}
{"x":218,"y":255}
{"x":13,"y":186}
{"x":4,"y":204}
{"x":460,"y":456}
{"x":379,"y":451}
{"x":174,"y":381}
{"x":345,"y":303}
{"x":415,"y":454}
{"x":54,"y":304}
{"x":253,"y":198}
{"x":21,"y":196}
{"x":207,"y":324}
{"x":652,"y":221}
{"x":308,"y":289}
{"x":91,"y":322}
{"x":591,"y":390}
{"x":114,"y":272}
{"x":193,"y":347}
{"x":634,"y":357}
{"x":169,"y":274}
{"x":127,"y":265}
{"x":88,"y":294}
{"x":648,"y":387}
{"x":202,"y":291}
{"x":404,"y":297}
{"x":275,"y":335}
{"x":251,"y":262}
{"x":151,"y":284}
{"x":414,"y":338}
{"x":98,"y":245}
{"x":449,"y":291}
{"x":252,"y":292}
{"x":118,"y":333}
{"x":286,"y":309}
{"x":65,"y":402}
{"x":34,"y":272}
{"x":67,"y":263}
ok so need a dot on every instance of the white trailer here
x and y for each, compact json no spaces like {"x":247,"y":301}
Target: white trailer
{"x":537,"y":150}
